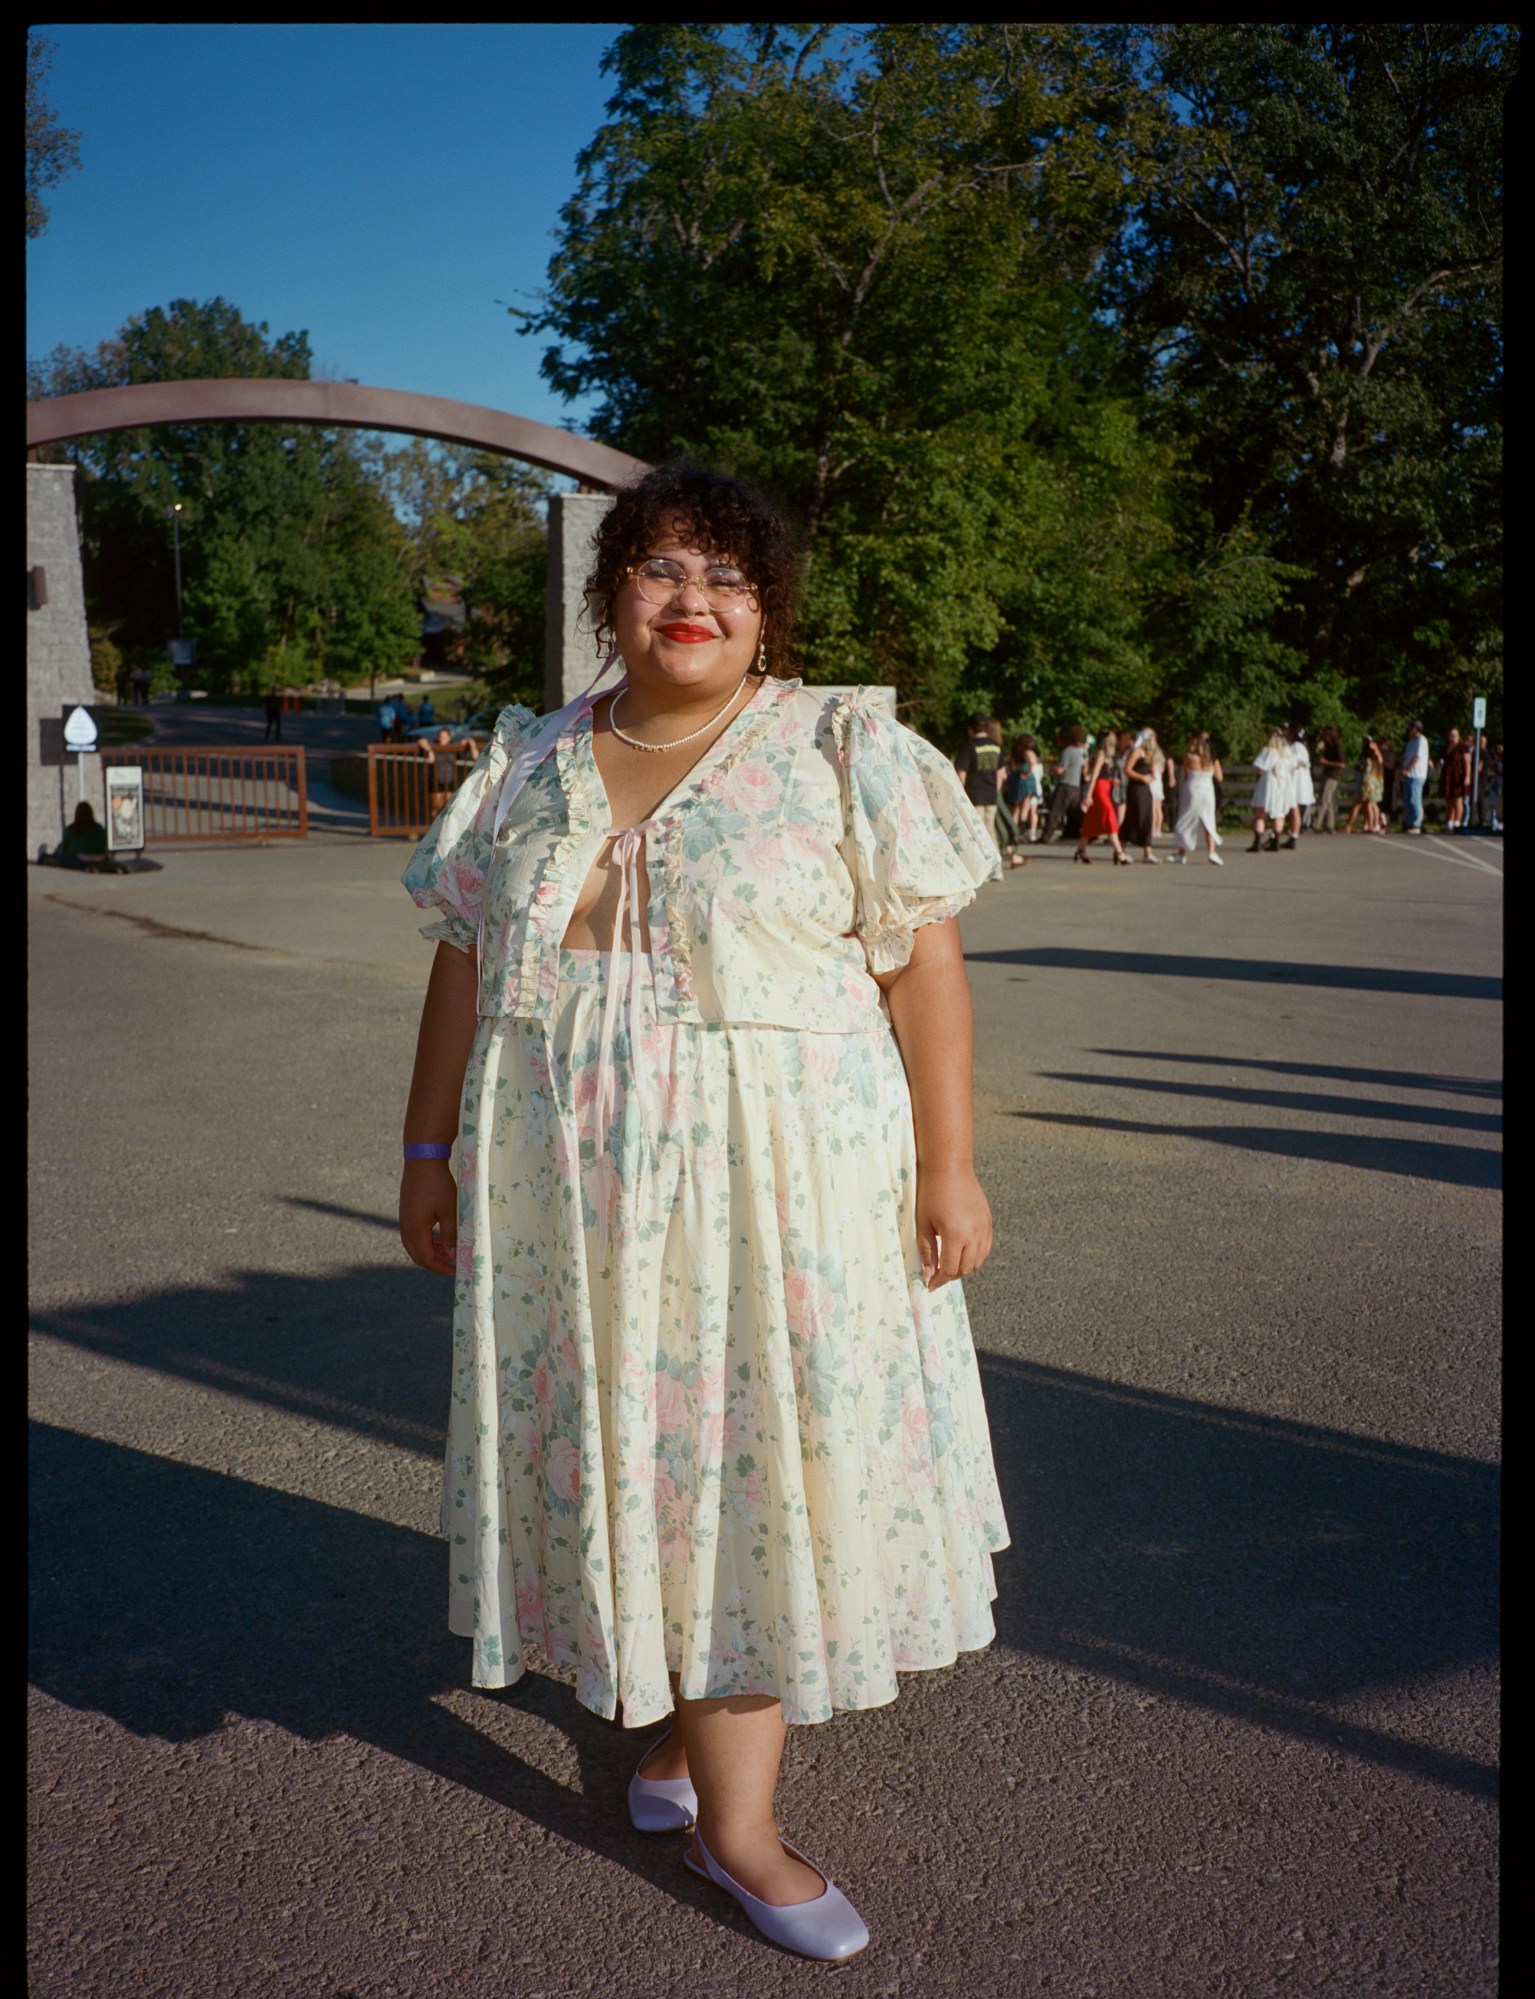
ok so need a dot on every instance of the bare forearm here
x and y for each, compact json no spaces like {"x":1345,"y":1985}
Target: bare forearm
{"x":448,"y":1022}
{"x":929,"y":1000}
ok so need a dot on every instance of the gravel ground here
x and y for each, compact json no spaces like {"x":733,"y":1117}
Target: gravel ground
{"x":1239,"y":1337}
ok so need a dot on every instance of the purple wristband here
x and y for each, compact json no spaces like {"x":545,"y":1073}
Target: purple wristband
{"x":428,"y":1152}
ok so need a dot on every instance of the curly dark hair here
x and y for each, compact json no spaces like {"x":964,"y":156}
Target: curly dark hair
{"x":710,"y":512}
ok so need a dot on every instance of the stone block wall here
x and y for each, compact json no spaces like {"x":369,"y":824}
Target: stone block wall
{"x":58,"y":656}
{"x":571,"y":657}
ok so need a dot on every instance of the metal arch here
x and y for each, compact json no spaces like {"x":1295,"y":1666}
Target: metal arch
{"x":333,"y":405}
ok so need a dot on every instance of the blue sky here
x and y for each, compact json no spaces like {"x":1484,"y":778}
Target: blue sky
{"x":390,"y":189}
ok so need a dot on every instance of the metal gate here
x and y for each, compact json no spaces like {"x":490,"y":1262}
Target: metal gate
{"x":218,"y":793}
{"x":408,"y":788}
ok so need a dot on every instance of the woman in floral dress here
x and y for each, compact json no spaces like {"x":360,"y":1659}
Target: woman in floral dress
{"x":698,"y":1021}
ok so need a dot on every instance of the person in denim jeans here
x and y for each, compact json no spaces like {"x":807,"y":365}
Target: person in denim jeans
{"x":1412,"y":769}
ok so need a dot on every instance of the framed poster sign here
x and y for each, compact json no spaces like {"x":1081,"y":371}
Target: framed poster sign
{"x":125,"y":808}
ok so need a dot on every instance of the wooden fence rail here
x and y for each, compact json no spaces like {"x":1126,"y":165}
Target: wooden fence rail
{"x":217,"y":793}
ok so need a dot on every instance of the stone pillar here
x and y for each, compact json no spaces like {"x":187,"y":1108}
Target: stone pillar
{"x":570,"y":651}
{"x":58,"y":656}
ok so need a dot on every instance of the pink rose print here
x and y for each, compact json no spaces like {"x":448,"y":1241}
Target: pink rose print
{"x":749,"y":1498}
{"x":762,"y":856}
{"x":781,"y":1206}
{"x":821,"y":1055}
{"x":563,"y":1463}
{"x":603,"y":1188}
{"x":914,"y":1417}
{"x":807,"y":1301}
{"x":671,"y":1404}
{"x":530,"y":1603}
{"x":676,"y":1546}
{"x":753,"y":787}
{"x":664,"y":1490}
{"x":463,"y":1259}
{"x":543,"y":1384}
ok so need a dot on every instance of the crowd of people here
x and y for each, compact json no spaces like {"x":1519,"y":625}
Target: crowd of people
{"x":1125,"y":788}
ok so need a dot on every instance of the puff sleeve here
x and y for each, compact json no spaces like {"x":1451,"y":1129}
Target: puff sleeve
{"x":446,"y":873}
{"x":916,"y":847}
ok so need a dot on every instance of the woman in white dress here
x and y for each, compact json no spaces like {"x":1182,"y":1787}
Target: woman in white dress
{"x":1196,"y":796}
{"x":716,"y":1441}
{"x":1274,"y":793}
{"x":1305,"y":793}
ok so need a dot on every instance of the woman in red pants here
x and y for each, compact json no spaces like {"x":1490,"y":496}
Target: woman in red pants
{"x":1100,"y":817}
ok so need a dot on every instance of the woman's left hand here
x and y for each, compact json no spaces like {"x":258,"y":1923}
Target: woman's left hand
{"x":953,"y":1224}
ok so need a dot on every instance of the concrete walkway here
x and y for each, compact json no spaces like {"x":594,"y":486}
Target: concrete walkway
{"x":1237,"y":1734}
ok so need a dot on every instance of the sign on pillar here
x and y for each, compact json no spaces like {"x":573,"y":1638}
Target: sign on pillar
{"x":80,"y":737}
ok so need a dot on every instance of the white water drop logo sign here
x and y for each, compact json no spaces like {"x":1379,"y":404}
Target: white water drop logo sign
{"x":80,"y":731}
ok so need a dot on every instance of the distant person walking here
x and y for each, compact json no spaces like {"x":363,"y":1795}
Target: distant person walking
{"x":1101,"y":820}
{"x":1329,"y":757}
{"x":1196,"y":794}
{"x":1372,"y":789}
{"x":1066,"y":791}
{"x":978,"y":764}
{"x":1411,"y":774}
{"x":1455,"y":783}
{"x":1300,"y":777}
{"x":1020,"y":793}
{"x":1003,"y":828}
{"x":271,"y":701}
{"x":1273,"y":794}
{"x":1139,"y":818}
{"x":1162,"y":769}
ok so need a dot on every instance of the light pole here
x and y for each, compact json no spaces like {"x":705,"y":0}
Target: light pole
{"x":176,"y":536}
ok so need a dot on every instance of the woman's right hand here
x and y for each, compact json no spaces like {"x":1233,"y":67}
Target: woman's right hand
{"x":429,"y":1214}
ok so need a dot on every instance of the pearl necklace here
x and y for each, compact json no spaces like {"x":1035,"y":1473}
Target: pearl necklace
{"x":655,"y":749}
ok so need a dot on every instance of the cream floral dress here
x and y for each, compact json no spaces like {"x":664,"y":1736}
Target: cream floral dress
{"x":706,"y":1419}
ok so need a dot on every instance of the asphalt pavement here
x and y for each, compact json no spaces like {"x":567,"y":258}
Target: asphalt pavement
{"x":1238,"y":1732}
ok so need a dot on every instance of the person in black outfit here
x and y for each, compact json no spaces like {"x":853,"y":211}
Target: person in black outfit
{"x":977,"y":763}
{"x":272,"y":703}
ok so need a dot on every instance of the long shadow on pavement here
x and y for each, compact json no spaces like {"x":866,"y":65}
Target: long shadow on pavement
{"x":1417,"y":1158}
{"x":1327,"y":1072}
{"x":1306,"y":1101}
{"x":170,"y":1598}
{"x":1267,"y":1569}
{"x":1261,"y":971}
{"x":1262,"y":1568}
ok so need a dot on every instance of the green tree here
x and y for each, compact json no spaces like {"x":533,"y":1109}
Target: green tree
{"x":52,"y":149}
{"x":1313,"y":287}
{"x":293,"y":562}
{"x":477,"y":518}
{"x":857,"y":270}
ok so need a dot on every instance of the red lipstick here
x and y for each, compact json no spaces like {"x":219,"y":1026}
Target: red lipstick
{"x":691,"y":635}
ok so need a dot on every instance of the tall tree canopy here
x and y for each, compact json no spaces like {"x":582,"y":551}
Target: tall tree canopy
{"x":293,"y":562}
{"x":865,"y":284}
{"x":1108,"y":372}
{"x":1312,"y":289}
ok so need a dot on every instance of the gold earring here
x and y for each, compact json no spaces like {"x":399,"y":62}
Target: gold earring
{"x":760,"y":663}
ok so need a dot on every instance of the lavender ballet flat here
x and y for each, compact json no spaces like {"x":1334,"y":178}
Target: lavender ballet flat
{"x":661,"y":1804}
{"x":829,"y":1928}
